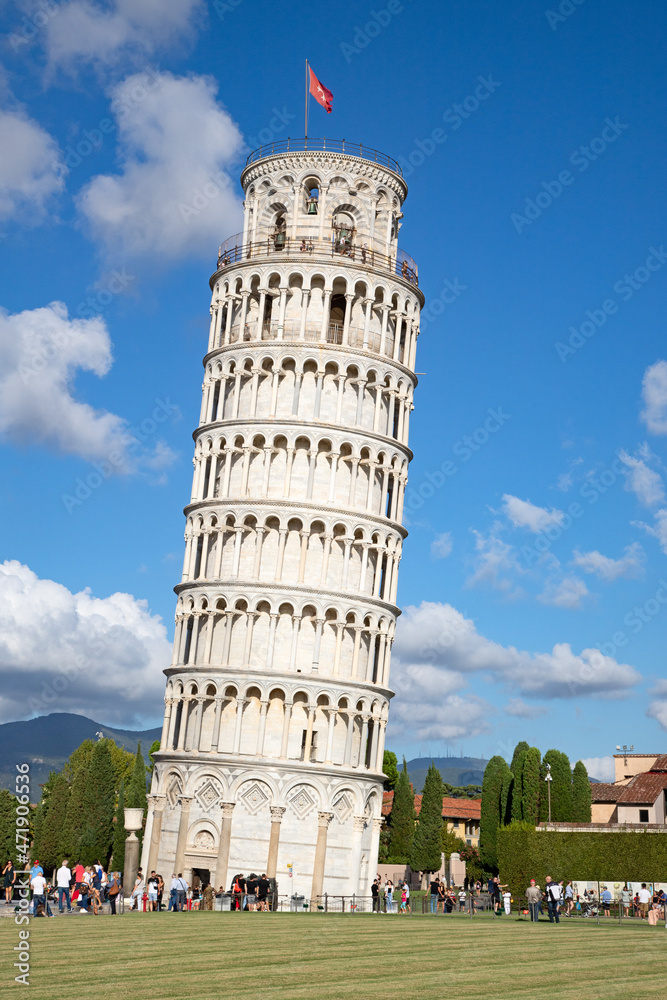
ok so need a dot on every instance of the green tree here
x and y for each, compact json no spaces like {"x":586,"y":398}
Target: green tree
{"x":451,"y":842}
{"x":123,"y":763}
{"x":506,"y":795}
{"x":530,"y":786}
{"x":390,"y":769}
{"x":155,"y":746}
{"x":8,"y":828}
{"x":474,"y":867}
{"x":560,"y":785}
{"x":425,"y":855}
{"x":383,"y":850}
{"x":402,"y":820}
{"x":492,"y":786}
{"x":119,"y":834}
{"x":516,"y":767}
{"x":581,"y":794}
{"x":78,"y":766}
{"x":136,"y":790}
{"x":48,"y":843}
{"x":99,"y":806}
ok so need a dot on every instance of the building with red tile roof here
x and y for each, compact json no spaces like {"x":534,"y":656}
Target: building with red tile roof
{"x":461,"y":815}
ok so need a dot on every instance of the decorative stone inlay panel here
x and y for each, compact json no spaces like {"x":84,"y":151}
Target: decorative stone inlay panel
{"x":254,"y":797}
{"x":302,"y":801}
{"x":174,"y":790}
{"x":343,"y":807}
{"x":208,"y":794}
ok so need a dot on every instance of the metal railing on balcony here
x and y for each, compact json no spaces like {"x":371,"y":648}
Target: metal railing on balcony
{"x":366,"y":252}
{"x":325,"y":145}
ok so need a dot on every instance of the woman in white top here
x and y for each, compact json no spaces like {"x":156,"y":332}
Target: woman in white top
{"x":389,"y":890}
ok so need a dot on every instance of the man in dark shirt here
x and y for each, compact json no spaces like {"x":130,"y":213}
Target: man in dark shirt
{"x":435,"y":891}
{"x":263,"y":889}
{"x":251,"y":890}
{"x":375,"y":893}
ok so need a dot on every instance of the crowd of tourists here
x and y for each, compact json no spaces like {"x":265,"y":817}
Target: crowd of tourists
{"x":561,"y":901}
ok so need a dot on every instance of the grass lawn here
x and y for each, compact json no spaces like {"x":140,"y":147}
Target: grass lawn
{"x":333,"y":956}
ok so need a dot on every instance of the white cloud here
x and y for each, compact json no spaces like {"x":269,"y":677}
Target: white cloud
{"x":640,"y":479}
{"x":654,"y":396}
{"x":59,"y":651}
{"x":40,"y":353}
{"x":31,"y":167}
{"x":601,"y":768}
{"x":568,"y":592}
{"x":524,"y":514}
{"x":631,"y":564}
{"x":87,"y":32}
{"x":520,"y":709}
{"x":657,"y":530}
{"x":442,"y":545}
{"x":447,"y":648}
{"x":174,"y":196}
{"x":495,"y":561}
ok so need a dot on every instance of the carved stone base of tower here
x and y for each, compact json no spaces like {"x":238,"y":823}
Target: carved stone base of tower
{"x":278,"y":693}
{"x":223,"y":820}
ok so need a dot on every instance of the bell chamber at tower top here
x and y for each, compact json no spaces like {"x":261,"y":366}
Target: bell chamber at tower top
{"x":318,"y":258}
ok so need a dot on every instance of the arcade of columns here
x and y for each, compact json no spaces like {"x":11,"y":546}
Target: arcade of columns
{"x":278,"y":692}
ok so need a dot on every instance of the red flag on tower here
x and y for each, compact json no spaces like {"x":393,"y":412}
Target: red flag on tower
{"x":321,"y":94}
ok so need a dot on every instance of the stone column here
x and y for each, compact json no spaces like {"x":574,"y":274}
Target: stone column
{"x":156,"y":804}
{"x":261,"y":729}
{"x":183,"y":824}
{"x":286,"y":722}
{"x":277,"y":813}
{"x":215,"y":738}
{"x":240,"y":702}
{"x":323,"y":820}
{"x":222,"y":861}
{"x":166,"y":723}
{"x":355,"y":854}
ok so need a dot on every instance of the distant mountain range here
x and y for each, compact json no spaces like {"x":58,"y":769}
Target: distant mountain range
{"x":454,"y":770}
{"x":47,"y":742}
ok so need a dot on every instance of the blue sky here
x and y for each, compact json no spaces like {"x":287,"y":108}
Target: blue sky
{"x":532,"y":138}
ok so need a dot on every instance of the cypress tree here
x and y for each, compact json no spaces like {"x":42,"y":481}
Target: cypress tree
{"x":136,"y":790}
{"x":581,"y":794}
{"x":99,"y":803}
{"x":425,"y":855}
{"x":402,"y":820}
{"x":530,"y":786}
{"x":75,"y":815}
{"x":506,"y":796}
{"x":561,"y":788}
{"x":48,"y":845}
{"x":516,"y":767}
{"x":119,"y":834}
{"x":492,"y":786}
{"x":8,"y":828}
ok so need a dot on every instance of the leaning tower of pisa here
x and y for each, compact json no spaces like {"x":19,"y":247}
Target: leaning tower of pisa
{"x":278,"y":692}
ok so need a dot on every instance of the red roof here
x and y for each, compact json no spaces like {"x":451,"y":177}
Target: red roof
{"x":643,"y":789}
{"x":451,"y":808}
{"x":601,"y":791}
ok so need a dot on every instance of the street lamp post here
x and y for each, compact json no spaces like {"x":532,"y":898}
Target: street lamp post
{"x":548,"y":780}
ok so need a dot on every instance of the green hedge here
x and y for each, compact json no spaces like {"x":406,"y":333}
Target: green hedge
{"x":524,"y":853}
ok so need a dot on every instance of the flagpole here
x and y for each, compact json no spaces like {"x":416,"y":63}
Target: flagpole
{"x":306,"y":131}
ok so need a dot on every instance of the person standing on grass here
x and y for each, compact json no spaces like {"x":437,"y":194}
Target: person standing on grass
{"x":435,"y":893}
{"x":644,"y":898}
{"x":442,"y":899}
{"x":181,"y":891}
{"x":606,"y":901}
{"x":507,"y":901}
{"x":375,"y":893}
{"x":9,"y":878}
{"x":533,"y":898}
{"x":138,"y":889}
{"x":406,"y":888}
{"x":152,"y":886}
{"x":626,"y":898}
{"x":569,"y":899}
{"x":63,"y":879}
{"x":113,"y":891}
{"x":389,"y":891}
{"x":462,"y":900}
{"x":553,"y":894}
{"x":173,"y":894}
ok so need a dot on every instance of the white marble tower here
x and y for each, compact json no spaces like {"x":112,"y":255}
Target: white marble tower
{"x":278,"y":692}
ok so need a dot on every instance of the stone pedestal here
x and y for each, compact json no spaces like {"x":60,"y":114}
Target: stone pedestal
{"x":133,"y":821}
